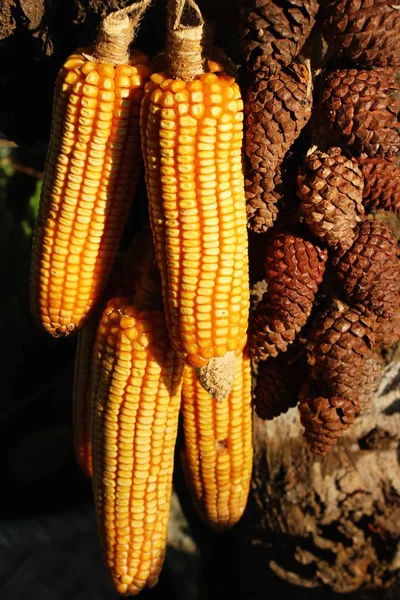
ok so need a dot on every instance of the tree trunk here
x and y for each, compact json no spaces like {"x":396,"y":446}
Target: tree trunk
{"x":328,"y":523}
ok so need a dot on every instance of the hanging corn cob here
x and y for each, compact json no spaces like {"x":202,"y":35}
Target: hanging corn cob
{"x":91,"y":171}
{"x":218,"y":453}
{"x":80,"y":398}
{"x":136,"y":391}
{"x":192,"y":128}
{"x":124,"y":280}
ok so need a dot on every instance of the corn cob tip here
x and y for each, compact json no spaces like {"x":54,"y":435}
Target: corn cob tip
{"x":216,"y":377}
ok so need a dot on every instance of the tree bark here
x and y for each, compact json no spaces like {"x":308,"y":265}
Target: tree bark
{"x":330,"y":523}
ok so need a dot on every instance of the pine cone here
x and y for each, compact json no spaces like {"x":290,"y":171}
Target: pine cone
{"x":381,"y":184}
{"x":262,"y":197}
{"x":371,"y":376}
{"x":370,"y":269}
{"x":358,"y":110}
{"x":275,"y":31}
{"x":294,"y":269}
{"x":277,"y":108}
{"x":388,"y":328}
{"x":341,"y":340}
{"x":330,"y":189}
{"x":324,"y":419}
{"x":363,"y":30}
{"x":278,"y":384}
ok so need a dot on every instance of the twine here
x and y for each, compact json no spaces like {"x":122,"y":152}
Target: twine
{"x":185,"y":40}
{"x":116,"y":33}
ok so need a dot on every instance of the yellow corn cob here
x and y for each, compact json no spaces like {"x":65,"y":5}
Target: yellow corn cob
{"x":191,"y":136}
{"x":81,"y":406}
{"x":91,"y":171}
{"x":136,"y":391}
{"x":218,"y":453}
{"x":124,"y":280}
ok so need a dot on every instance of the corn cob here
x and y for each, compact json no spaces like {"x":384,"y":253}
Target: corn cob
{"x":191,"y":139}
{"x":217,"y":458}
{"x":81,"y":405}
{"x":91,"y":171}
{"x":136,"y":394}
{"x":125,"y":277}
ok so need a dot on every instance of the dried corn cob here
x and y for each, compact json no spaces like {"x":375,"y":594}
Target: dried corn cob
{"x":124,"y":280}
{"x":191,"y":138}
{"x":136,"y":392}
{"x":90,"y":179}
{"x":81,"y":405}
{"x":217,"y":458}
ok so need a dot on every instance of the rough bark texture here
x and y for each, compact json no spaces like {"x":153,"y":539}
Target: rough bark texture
{"x":333,"y":521}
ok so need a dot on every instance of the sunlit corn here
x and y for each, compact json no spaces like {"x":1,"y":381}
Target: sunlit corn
{"x":218,"y":453}
{"x":136,"y":392}
{"x":192,"y":148}
{"x":124,"y":281}
{"x":91,"y":171}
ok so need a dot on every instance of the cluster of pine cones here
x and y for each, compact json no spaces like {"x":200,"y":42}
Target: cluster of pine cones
{"x":323,"y":103}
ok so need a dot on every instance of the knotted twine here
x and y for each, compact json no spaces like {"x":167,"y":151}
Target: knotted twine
{"x":185,"y":44}
{"x":116,"y":33}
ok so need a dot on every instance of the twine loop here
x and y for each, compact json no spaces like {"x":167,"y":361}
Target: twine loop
{"x":185,"y":47}
{"x":117,"y":31}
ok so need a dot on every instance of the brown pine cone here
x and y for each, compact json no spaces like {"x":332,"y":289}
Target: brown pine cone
{"x":371,"y":377}
{"x":330,"y":188}
{"x":324,"y":419}
{"x":276,"y":110}
{"x":363,"y":30}
{"x":341,"y":340}
{"x":388,"y":328}
{"x":370,"y":270}
{"x":262,"y":197}
{"x":358,"y":109}
{"x":275,"y":31}
{"x":294,"y":269}
{"x":279,"y":381}
{"x":381,"y":184}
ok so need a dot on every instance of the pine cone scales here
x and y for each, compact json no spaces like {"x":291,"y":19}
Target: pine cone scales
{"x":330,"y":188}
{"x":278,"y":385}
{"x":371,"y":376}
{"x":294,"y":269}
{"x":262,"y":196}
{"x":388,"y":328}
{"x":341,"y":341}
{"x":359,"y":108}
{"x":275,"y":31}
{"x":381,"y":184}
{"x":370,"y":270}
{"x":363,"y":30}
{"x":324,"y":419}
{"x":276,"y":110}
